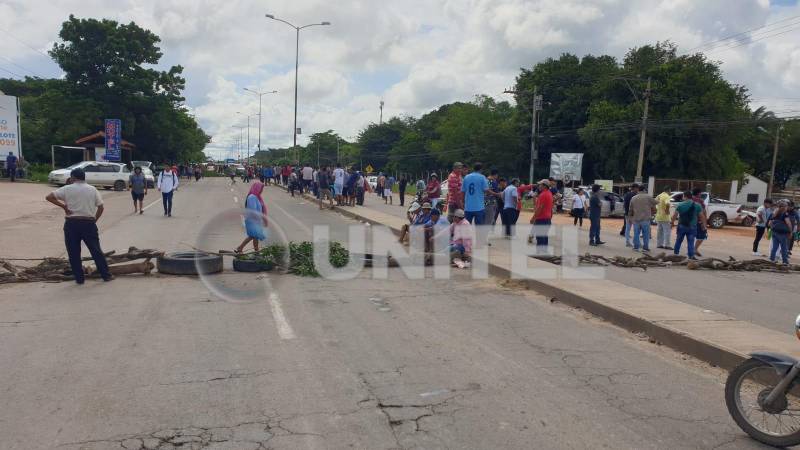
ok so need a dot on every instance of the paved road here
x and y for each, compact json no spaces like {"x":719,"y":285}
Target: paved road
{"x":767,"y":299}
{"x":245,"y":362}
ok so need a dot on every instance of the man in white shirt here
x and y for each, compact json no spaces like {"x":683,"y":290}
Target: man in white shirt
{"x":83,"y":206}
{"x":308,"y":177}
{"x":167,"y":184}
{"x":338,"y":183}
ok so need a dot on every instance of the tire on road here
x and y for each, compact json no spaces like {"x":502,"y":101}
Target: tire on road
{"x":243,"y":265}
{"x":119,"y":185}
{"x":748,"y":221}
{"x":189,"y":263}
{"x":717,"y":220}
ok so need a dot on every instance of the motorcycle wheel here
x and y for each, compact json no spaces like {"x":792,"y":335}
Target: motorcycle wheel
{"x":746,"y":388}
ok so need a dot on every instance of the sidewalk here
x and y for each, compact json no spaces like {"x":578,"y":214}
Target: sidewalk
{"x":714,"y":337}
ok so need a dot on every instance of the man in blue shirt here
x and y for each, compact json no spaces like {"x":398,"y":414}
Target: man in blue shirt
{"x":474,"y":187}
{"x":11,"y":166}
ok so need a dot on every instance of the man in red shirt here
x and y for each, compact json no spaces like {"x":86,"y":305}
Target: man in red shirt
{"x":455,"y":198}
{"x":542,"y":216}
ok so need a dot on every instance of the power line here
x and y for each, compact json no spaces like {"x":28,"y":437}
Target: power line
{"x":21,"y":67}
{"x":27,"y":45}
{"x":755,"y":40}
{"x":706,"y":44}
{"x":12,"y":73}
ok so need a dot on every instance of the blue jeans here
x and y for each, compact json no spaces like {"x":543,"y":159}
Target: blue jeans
{"x":75,"y":232}
{"x":689,"y":233}
{"x":641,"y":227}
{"x":781,"y":240}
{"x":628,"y":226}
{"x":540,"y":229}
{"x":166,"y":198}
{"x":594,"y":230}
{"x":475,"y":217}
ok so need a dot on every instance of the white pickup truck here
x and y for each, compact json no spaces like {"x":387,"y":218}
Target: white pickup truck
{"x":720,"y":212}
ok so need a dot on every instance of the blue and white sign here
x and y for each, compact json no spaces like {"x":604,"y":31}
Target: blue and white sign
{"x":113,"y":140}
{"x":9,"y":126}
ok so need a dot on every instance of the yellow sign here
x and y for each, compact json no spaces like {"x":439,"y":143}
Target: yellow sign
{"x":369,"y":168}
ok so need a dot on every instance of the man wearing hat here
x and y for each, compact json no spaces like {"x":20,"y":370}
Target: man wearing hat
{"x":83,"y":207}
{"x":542,"y":216}
{"x":436,"y":228}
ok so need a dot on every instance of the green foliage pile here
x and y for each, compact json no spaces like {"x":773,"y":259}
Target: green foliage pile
{"x":271,"y":255}
{"x":301,"y":258}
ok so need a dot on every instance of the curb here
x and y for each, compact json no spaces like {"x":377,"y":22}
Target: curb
{"x":666,"y":332}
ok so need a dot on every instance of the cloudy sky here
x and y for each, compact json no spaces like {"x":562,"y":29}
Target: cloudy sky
{"x":413,"y":54}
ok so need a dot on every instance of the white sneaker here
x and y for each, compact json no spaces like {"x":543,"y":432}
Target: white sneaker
{"x":757,"y":254}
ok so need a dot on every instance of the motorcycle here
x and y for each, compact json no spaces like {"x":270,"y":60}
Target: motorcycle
{"x":763,"y":397}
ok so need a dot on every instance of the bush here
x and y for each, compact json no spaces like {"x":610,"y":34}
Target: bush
{"x":38,"y":172}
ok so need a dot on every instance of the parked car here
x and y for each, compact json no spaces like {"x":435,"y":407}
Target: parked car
{"x":147,"y":170}
{"x":720,"y":212}
{"x":373,"y":182}
{"x":612,"y":203}
{"x":103,"y":174}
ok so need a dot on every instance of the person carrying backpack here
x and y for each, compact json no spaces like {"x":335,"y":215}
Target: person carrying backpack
{"x":781,"y":227}
{"x":687,"y":214}
{"x":167,"y":184}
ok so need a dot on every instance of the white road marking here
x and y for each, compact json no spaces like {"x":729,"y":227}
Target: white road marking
{"x":294,"y":219}
{"x":151,"y":204}
{"x":284,"y":329}
{"x":235,"y":199}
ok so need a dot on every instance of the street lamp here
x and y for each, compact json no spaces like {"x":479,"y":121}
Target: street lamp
{"x":241,"y":131}
{"x":259,"y":94}
{"x":248,"y":130}
{"x":296,"y":62}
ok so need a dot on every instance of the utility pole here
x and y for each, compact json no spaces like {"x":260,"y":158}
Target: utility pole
{"x":774,"y":160}
{"x":317,"y":154}
{"x":640,"y":165}
{"x":337,"y":149}
{"x":381,"y":119}
{"x":537,"y":106}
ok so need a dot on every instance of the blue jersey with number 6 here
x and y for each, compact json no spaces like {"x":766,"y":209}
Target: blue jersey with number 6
{"x":473,"y":187}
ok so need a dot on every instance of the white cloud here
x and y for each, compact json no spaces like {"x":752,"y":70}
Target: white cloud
{"x":415,"y":54}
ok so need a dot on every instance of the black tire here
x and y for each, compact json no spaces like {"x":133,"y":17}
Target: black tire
{"x":189,"y":263}
{"x":244,"y":265}
{"x":748,"y":221}
{"x":717,"y":220}
{"x":730,"y":400}
{"x":119,"y":185}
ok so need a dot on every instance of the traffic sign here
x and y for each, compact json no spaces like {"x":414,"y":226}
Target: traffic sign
{"x":369,"y":168}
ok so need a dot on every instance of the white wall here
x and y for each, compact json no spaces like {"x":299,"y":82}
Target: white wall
{"x":752,"y":185}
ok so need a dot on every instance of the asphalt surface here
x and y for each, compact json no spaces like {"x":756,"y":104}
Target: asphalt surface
{"x":764,"y":298}
{"x":242,"y":361}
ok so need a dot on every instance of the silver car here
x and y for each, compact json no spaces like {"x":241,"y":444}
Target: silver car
{"x":102,"y":174}
{"x":612,"y":203}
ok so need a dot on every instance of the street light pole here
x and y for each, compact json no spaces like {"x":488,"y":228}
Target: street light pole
{"x":259,"y":94}
{"x":241,"y":138}
{"x":296,"y":65}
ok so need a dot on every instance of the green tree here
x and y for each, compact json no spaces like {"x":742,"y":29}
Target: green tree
{"x":106,"y":77}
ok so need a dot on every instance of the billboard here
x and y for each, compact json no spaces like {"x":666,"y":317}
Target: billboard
{"x":9,"y":126}
{"x":113,"y":141}
{"x":566,"y":166}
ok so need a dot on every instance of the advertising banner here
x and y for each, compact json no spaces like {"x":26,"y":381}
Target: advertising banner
{"x":113,"y":141}
{"x":9,"y":126}
{"x":566,"y":166}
